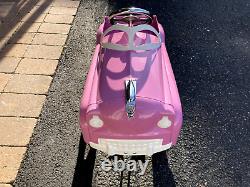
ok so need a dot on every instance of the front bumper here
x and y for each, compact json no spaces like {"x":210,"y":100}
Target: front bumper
{"x":130,"y":147}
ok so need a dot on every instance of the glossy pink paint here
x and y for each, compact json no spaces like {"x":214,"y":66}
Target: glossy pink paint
{"x":157,"y":93}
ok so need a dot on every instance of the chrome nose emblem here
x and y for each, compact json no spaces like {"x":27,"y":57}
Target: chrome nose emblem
{"x":130,"y":94}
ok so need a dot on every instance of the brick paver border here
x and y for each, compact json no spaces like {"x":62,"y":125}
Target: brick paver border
{"x":28,"y":62}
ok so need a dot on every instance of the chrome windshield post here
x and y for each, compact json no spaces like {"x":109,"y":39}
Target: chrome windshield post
{"x":130,"y":96}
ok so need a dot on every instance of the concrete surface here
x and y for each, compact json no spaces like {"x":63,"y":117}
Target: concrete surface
{"x":22,"y":94}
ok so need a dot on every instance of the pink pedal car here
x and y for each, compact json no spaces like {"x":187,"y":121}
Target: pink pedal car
{"x":130,"y":104}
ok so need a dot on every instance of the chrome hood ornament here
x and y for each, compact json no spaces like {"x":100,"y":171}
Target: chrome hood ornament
{"x":130,"y":96}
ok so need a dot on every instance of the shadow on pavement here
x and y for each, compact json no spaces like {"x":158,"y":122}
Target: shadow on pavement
{"x":162,"y":174}
{"x":11,"y":26}
{"x":84,"y":166}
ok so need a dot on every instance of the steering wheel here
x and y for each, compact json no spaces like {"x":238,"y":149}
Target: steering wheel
{"x":131,"y":16}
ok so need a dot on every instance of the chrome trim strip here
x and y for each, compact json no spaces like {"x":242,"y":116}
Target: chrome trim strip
{"x":130,"y":97}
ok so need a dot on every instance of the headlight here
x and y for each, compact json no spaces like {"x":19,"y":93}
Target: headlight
{"x":164,"y":122}
{"x":96,"y":122}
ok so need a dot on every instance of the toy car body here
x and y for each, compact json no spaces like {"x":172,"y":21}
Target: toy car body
{"x":130,"y":104}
